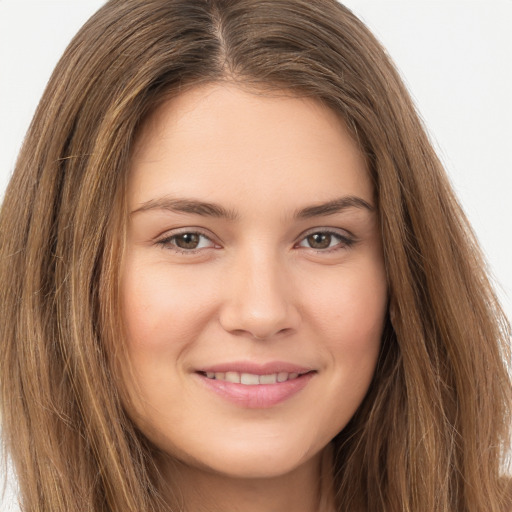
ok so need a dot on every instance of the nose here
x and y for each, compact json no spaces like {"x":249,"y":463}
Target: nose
{"x":259,"y":298}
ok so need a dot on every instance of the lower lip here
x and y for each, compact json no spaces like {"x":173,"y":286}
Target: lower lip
{"x":260,"y":396}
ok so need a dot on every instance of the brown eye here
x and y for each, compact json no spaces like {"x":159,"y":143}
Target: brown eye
{"x":187,"y":240}
{"x":319,"y":240}
{"x":326,"y":241}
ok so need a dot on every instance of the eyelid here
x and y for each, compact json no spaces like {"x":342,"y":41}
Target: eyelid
{"x":347,"y":238}
{"x":164,"y":239}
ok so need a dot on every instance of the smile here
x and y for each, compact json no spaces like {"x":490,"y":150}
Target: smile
{"x":256,"y":387}
{"x":252,"y":379}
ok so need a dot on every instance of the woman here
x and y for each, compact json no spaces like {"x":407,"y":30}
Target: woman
{"x":235,"y":276}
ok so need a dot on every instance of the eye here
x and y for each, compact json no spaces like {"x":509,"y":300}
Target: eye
{"x":325,"y":240}
{"x":187,"y":241}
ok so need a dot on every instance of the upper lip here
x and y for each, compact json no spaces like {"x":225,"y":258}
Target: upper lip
{"x":256,"y":368}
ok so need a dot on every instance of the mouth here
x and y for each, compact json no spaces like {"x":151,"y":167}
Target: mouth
{"x":254,"y":387}
{"x":253,"y":379}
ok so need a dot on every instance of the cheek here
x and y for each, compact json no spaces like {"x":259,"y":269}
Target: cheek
{"x":159,"y":306}
{"x":348,"y":314}
{"x":162,"y":315}
{"x":160,"y":319}
{"x":354,"y":340}
{"x":349,"y":308}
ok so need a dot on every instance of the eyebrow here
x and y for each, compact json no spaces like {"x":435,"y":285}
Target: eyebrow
{"x":207,"y":209}
{"x":335,"y":206}
{"x":187,"y":206}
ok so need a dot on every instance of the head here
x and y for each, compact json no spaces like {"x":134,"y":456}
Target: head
{"x":65,"y":226}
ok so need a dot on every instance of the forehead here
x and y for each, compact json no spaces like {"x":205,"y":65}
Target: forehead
{"x":225,"y":142}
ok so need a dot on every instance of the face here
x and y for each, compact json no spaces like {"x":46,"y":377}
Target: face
{"x":253,"y":285}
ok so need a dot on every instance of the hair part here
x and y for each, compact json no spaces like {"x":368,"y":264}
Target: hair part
{"x":434,"y":429}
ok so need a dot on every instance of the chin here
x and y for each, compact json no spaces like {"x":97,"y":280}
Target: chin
{"x":248,"y":458}
{"x":258,"y":466}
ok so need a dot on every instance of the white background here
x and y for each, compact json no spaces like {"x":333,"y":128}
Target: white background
{"x":455,"y":57}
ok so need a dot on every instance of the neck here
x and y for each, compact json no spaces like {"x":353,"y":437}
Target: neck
{"x":305,"y":489}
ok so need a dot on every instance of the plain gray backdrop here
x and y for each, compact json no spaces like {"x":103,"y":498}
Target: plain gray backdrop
{"x":454,"y":55}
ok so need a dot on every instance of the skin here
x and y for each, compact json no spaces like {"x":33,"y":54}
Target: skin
{"x":263,"y":284}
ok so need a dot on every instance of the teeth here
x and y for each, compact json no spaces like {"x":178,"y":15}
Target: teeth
{"x":268,"y":379}
{"x":232,"y":377}
{"x":282,"y":376}
{"x":251,"y":379}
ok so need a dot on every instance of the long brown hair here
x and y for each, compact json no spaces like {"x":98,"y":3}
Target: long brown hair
{"x":432,"y":433}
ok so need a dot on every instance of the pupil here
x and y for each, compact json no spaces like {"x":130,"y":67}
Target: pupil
{"x":319,"y":240}
{"x":187,"y":240}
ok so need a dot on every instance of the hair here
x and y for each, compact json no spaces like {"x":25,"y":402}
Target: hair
{"x":433,"y":431}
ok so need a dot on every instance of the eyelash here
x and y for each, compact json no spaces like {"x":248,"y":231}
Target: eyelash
{"x":344,"y":241}
{"x":167,"y":242}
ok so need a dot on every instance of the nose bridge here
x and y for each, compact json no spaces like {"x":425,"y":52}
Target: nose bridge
{"x":258,"y":299}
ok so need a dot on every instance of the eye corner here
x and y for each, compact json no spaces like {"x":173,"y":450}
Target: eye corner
{"x":189,"y":241}
{"x":328,"y":240}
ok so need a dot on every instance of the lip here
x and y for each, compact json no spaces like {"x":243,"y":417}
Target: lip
{"x":256,"y":368}
{"x":261,"y":396}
